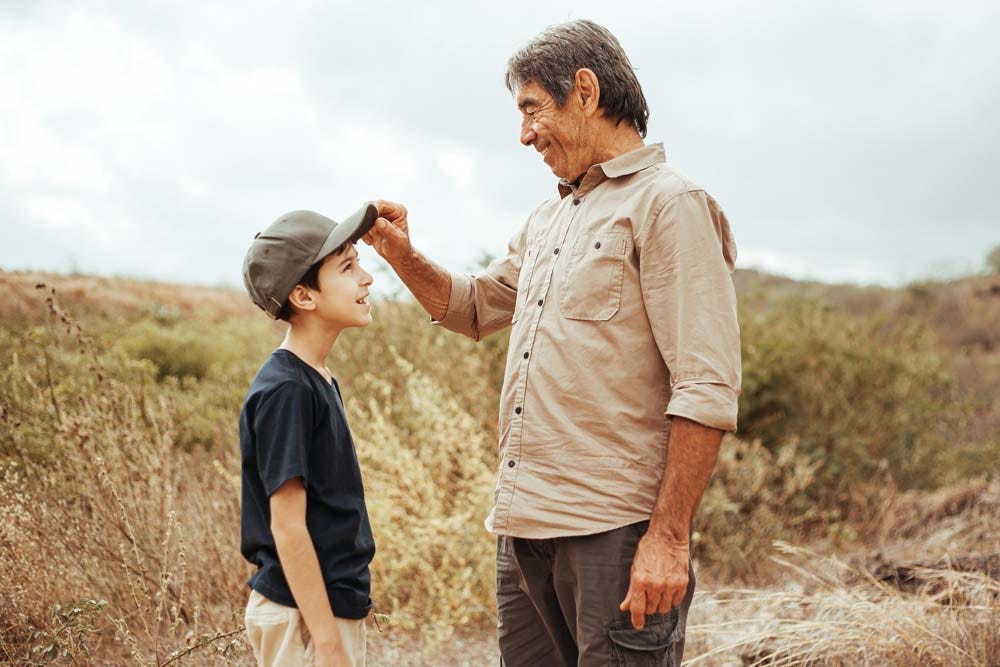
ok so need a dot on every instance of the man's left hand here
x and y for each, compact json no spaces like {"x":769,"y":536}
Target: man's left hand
{"x":659,"y":577}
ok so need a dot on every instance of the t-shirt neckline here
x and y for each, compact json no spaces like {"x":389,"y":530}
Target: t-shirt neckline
{"x":332,"y":384}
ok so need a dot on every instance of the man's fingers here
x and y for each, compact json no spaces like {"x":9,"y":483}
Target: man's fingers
{"x":664,"y":605}
{"x":627,"y":601}
{"x":678,"y":596}
{"x":638,"y":609}
{"x":390,"y":209}
{"x":389,"y":228}
{"x":654,"y":601}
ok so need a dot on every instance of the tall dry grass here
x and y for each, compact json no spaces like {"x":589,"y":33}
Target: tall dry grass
{"x":836,"y":615}
{"x":119,"y":487}
{"x":117,"y":546}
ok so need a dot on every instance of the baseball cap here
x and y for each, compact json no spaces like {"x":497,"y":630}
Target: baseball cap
{"x":281,"y":254}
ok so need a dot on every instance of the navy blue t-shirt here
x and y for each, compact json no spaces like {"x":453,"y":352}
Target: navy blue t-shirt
{"x":293,"y":425}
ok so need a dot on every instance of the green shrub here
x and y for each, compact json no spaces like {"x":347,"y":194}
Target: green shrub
{"x":753,"y":486}
{"x":175,"y":351}
{"x":859,"y":395}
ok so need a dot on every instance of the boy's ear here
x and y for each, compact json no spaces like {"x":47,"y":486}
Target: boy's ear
{"x":302,"y":298}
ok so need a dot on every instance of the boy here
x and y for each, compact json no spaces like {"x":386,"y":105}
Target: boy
{"x":303,"y":518}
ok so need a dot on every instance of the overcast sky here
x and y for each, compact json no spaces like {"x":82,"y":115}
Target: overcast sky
{"x":846,"y":141}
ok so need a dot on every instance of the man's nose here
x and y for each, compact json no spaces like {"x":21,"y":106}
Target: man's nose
{"x":528,"y":134}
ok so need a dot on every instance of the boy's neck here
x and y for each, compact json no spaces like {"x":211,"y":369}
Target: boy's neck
{"x":311,"y":342}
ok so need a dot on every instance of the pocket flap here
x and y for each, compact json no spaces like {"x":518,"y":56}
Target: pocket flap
{"x":609,"y":244}
{"x":656,"y":635}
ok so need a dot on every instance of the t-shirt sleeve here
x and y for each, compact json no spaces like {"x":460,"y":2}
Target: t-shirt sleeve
{"x":282,"y":426}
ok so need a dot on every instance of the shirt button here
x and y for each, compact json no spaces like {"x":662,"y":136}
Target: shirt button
{"x":576,"y":202}
{"x":511,"y":464}
{"x":597,"y":246}
{"x":525,"y":355}
{"x":517,"y":410}
{"x":556,"y":251}
{"x":539,"y":302}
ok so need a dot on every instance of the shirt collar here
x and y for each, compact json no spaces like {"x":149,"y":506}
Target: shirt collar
{"x":623,"y":165}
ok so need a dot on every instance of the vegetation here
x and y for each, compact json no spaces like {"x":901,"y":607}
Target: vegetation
{"x":993,"y":261}
{"x":119,"y":464}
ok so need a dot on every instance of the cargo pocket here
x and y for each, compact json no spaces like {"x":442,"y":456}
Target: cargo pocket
{"x":592,"y":286}
{"x":524,"y":279}
{"x":653,"y":646}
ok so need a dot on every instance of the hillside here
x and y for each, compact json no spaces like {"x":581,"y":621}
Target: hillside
{"x":962,"y":315}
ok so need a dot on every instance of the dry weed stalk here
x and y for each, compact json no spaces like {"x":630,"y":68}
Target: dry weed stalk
{"x":97,"y":525}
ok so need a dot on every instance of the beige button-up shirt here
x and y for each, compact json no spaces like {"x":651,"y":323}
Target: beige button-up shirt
{"x":621,"y":298}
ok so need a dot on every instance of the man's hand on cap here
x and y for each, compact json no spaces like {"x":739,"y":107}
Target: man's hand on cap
{"x":390,"y":236}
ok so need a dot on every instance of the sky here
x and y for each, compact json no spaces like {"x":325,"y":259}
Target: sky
{"x":846,"y":141}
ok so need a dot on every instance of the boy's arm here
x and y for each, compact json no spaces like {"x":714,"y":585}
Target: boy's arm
{"x":301,"y":567}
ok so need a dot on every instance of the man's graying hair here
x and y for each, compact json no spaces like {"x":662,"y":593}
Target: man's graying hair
{"x":552,"y":59}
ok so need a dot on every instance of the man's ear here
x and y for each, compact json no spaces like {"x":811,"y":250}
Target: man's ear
{"x":588,"y":90}
{"x":302,"y":298}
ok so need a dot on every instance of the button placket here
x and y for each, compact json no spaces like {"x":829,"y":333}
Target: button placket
{"x":508,"y":482}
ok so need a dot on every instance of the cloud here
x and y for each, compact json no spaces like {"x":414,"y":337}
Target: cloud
{"x":847,"y":141}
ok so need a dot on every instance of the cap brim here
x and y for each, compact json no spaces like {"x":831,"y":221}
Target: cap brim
{"x":351,"y":229}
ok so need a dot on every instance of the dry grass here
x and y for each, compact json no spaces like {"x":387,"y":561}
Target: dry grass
{"x":119,"y":546}
{"x":832,"y":614}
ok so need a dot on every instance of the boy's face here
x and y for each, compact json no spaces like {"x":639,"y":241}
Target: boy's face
{"x":342,"y":299}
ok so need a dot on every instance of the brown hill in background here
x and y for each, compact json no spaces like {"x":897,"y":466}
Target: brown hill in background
{"x":963,"y":315}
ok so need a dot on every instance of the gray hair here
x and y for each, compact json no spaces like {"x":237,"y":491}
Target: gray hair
{"x":553,"y":58}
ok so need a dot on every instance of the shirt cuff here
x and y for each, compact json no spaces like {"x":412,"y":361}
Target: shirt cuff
{"x":460,"y":316}
{"x":707,"y":402}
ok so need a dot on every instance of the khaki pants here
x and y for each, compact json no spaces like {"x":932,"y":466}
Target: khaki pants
{"x":279,"y":637}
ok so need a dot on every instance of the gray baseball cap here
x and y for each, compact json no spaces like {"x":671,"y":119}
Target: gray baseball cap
{"x":281,"y":255}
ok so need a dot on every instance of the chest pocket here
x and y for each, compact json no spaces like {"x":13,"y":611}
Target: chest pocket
{"x":592,"y":287}
{"x":524,"y":278}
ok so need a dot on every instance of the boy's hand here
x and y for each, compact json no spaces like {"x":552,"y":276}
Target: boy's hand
{"x":390,"y":236}
{"x":331,"y":655}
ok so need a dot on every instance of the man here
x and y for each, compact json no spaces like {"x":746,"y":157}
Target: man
{"x":624,"y":344}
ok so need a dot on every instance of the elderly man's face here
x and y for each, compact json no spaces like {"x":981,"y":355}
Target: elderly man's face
{"x":558,"y":133}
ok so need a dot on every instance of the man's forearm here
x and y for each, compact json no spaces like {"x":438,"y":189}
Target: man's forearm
{"x":693,"y":451}
{"x":301,"y":567}
{"x":429,"y":283}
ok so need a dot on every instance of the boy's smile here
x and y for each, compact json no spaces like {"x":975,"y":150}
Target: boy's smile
{"x":342,"y":298}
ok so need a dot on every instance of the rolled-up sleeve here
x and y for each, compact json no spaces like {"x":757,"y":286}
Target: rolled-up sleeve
{"x":686,"y":258}
{"x":484,"y":303}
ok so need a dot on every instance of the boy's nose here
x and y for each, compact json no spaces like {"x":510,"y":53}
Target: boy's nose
{"x":366,"y":279}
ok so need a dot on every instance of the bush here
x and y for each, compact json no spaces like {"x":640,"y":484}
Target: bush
{"x":859,"y":396}
{"x":753,"y":486}
{"x":993,"y":261}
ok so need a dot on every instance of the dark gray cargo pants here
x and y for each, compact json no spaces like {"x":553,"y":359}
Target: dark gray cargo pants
{"x":557,"y":604}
